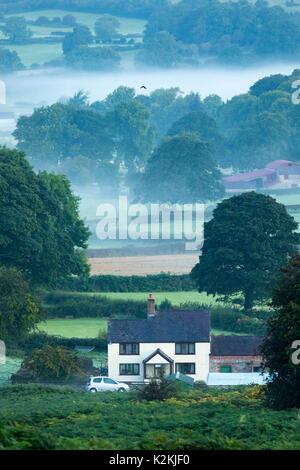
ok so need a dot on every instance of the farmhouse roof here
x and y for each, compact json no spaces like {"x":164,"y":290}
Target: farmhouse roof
{"x":278,"y":163}
{"x":250,"y":175}
{"x":236,"y":345}
{"x":165,"y":327}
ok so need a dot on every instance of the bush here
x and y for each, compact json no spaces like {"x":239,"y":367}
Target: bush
{"x":51,"y":362}
{"x":157,"y":389}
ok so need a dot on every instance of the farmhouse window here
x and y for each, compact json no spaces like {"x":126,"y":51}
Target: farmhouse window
{"x":129,"y":369}
{"x":185,"y":348}
{"x":185,"y":367}
{"x":129,"y":348}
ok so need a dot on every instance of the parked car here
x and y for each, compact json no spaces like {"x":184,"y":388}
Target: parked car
{"x":102,"y":384}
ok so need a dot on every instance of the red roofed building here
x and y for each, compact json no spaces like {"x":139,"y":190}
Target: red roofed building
{"x":277,"y":174}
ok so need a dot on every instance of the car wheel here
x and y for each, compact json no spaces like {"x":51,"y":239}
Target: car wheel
{"x":122,"y":389}
{"x":93,"y":390}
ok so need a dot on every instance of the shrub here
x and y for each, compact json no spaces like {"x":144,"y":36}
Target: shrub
{"x":51,"y":362}
{"x":157,"y":389}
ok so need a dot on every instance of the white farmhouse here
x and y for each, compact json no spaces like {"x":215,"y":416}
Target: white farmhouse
{"x":165,"y":342}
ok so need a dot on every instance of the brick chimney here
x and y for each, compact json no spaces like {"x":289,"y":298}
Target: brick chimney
{"x":151,"y":306}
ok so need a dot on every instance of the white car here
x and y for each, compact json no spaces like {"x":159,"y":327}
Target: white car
{"x":103,"y":384}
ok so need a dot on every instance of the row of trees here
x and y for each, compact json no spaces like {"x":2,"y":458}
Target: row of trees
{"x":95,"y":142}
{"x":234,"y":32}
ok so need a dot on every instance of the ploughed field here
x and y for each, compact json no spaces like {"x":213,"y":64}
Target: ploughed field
{"x":143,"y":265}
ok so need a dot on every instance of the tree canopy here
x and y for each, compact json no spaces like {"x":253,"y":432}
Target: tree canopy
{"x":19,"y":308}
{"x":246,"y":242}
{"x":281,"y":354}
{"x":41,"y":233}
{"x":106,"y":27}
{"x":181,"y":169}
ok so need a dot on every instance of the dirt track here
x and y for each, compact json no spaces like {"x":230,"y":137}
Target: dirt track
{"x":143,"y":265}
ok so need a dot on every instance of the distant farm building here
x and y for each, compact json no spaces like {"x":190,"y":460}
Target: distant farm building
{"x":278,"y":174}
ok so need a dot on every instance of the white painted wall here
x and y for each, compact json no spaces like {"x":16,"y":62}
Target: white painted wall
{"x":200,"y":358}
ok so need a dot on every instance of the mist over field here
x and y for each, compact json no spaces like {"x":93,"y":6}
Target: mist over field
{"x":48,"y":86}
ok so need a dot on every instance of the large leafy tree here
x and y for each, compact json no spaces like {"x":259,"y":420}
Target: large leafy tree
{"x":132,"y":132}
{"x":249,"y":237}
{"x":281,"y":348}
{"x":181,"y":169}
{"x":19,"y":309}
{"x":81,"y":36}
{"x":9,"y":61}
{"x":106,"y":27}
{"x":16,"y":29}
{"x":54,"y":133}
{"x":40,"y":230}
{"x":205,"y":126}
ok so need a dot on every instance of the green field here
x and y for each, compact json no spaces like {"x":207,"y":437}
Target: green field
{"x":176,"y":298}
{"x":127,"y":25}
{"x":74,"y":328}
{"x":37,"y":53}
{"x":41,"y":53}
{"x":85,"y":327}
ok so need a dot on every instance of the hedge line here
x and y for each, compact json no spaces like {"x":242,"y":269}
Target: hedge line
{"x":227,"y":318}
{"x":60,"y":305}
{"x":38,"y":340}
{"x":106,"y":283}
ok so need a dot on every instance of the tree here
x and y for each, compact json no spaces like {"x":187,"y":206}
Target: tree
{"x":9,"y":61}
{"x":80,"y":100}
{"x":16,"y":29}
{"x":122,"y":94}
{"x":106,"y":27}
{"x":249,"y":237}
{"x":162,"y":50}
{"x":204,"y":125}
{"x":41,"y":232}
{"x":19,"y":309}
{"x":52,"y":363}
{"x":280,"y":355}
{"x":69,"y":20}
{"x":181,"y":169}
{"x":93,"y":58}
{"x":267,"y":84}
{"x":81,"y":36}
{"x":133,"y":134}
{"x":54,"y":133}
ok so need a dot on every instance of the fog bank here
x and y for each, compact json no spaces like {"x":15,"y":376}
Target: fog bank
{"x":47,"y":86}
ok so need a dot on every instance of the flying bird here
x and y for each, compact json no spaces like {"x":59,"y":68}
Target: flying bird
{"x":143,"y":87}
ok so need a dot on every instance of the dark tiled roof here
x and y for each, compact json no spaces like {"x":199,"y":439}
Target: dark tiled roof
{"x":235,"y":345}
{"x":165,"y":327}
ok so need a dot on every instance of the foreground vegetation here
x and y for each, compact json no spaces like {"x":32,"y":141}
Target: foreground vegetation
{"x":38,"y":417}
